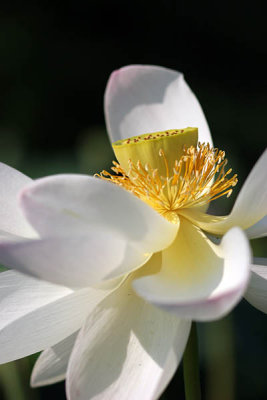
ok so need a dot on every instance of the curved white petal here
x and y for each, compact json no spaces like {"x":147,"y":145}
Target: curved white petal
{"x":143,"y":99}
{"x":251,"y":203}
{"x":51,"y":366}
{"x":174,"y":358}
{"x":77,"y":261}
{"x":77,"y":204}
{"x":250,"y":207}
{"x":35,"y":315}
{"x":126,"y":350}
{"x":12,"y":221}
{"x":256,"y":293}
{"x":198,"y":279}
{"x":258,"y":230}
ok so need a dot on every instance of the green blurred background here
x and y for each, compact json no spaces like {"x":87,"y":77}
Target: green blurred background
{"x":55,"y":61}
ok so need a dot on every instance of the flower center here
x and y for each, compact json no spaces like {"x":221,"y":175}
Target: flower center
{"x":197,"y":177}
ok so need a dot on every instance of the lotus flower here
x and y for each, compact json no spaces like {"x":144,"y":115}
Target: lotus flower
{"x":108,"y":273}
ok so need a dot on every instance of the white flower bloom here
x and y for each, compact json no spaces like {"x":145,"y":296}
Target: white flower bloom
{"x":98,"y":245}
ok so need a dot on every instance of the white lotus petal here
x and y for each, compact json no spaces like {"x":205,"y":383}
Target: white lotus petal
{"x":12,"y":221}
{"x":174,"y":356}
{"x":251,"y":203}
{"x":51,"y":365}
{"x":256,"y":293}
{"x":126,"y":350}
{"x":143,"y":99}
{"x":198,"y":279}
{"x":35,"y":315}
{"x":77,"y":261}
{"x":250,"y":207}
{"x":7,"y":236}
{"x":75,"y":204}
{"x":258,"y":230}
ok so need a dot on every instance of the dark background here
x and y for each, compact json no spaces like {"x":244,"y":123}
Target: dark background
{"x":55,"y":61}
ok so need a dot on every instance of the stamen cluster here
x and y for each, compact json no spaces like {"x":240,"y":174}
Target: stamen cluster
{"x":197,"y":178}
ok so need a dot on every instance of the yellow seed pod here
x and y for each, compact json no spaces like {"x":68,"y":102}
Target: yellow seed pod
{"x":146,"y":148}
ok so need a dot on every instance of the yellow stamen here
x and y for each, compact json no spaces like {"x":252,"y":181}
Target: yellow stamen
{"x":197,"y":178}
